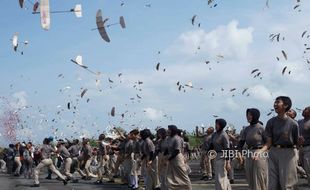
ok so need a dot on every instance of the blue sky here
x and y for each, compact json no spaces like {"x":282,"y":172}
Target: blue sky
{"x":238,"y":30}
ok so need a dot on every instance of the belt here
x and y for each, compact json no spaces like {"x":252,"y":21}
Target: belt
{"x":255,"y":147}
{"x":284,"y":146}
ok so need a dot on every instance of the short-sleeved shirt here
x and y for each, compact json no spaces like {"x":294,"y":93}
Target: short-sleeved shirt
{"x":206,"y":142}
{"x":129,"y":147}
{"x":87,"y":151}
{"x":46,"y":151}
{"x":63,"y":151}
{"x":304,"y":129}
{"x":148,"y":146}
{"x":136,"y":147}
{"x":282,"y":131}
{"x":17,"y":152}
{"x":254,"y":135}
{"x":175,"y":143}
{"x":101,"y":149}
{"x":220,"y":141}
{"x":162,"y":145}
{"x":74,"y":150}
{"x":122,"y":147}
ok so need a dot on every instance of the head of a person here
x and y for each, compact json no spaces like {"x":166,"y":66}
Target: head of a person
{"x":161,"y":133}
{"x":172,"y":130}
{"x":134,"y":134}
{"x":101,"y":137}
{"x":252,"y":115}
{"x":282,"y":104}
{"x":85,"y":141}
{"x":61,"y":142}
{"x":76,"y":141}
{"x":291,"y":113}
{"x":306,"y":113}
{"x":220,"y":124}
{"x":210,"y":130}
{"x":145,"y":133}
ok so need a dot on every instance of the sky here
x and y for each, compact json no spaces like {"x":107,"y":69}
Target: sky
{"x":233,"y":37}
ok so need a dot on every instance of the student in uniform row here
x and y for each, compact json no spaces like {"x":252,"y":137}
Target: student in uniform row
{"x":256,"y":170}
{"x":304,"y":126}
{"x":219,"y":144}
{"x":281,"y":140}
{"x":46,"y":161}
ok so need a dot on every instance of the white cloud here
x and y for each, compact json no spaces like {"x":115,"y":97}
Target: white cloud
{"x":153,"y":114}
{"x":227,"y":40}
{"x":231,"y":104}
{"x":261,"y":93}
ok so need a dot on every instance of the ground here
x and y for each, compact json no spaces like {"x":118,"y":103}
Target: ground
{"x":13,"y":183}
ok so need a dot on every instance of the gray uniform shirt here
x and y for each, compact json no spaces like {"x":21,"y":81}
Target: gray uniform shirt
{"x":220,"y":141}
{"x":304,"y":127}
{"x":63,"y":151}
{"x":87,"y":151}
{"x":282,"y":131}
{"x":46,"y":151}
{"x":129,"y":147}
{"x":206,"y":142}
{"x":74,"y":150}
{"x":101,"y":149}
{"x":254,"y":135}
{"x":162,"y":145}
{"x":148,"y":146}
{"x":175,"y":143}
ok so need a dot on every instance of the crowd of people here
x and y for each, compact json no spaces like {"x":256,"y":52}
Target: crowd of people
{"x":272,"y":156}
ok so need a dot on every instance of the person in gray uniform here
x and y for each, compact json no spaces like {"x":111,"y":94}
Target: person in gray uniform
{"x":102,"y":157}
{"x":205,"y":160}
{"x":254,"y":136}
{"x":161,"y":147}
{"x":292,"y":114}
{"x":150,"y":161}
{"x":17,"y":159}
{"x":46,"y":161}
{"x":74,"y":151}
{"x":219,"y":144}
{"x":66,"y":157}
{"x":304,"y":126}
{"x":177,"y":176}
{"x":281,"y":137}
{"x":87,"y":159}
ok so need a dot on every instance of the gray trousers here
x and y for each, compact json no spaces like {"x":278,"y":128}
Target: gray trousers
{"x":46,"y":163}
{"x":205,"y":164}
{"x":19,"y":165}
{"x":67,"y":166}
{"x":101,"y":166}
{"x":177,"y":177}
{"x":221,"y":179}
{"x":152,"y":180}
{"x":282,"y":172}
{"x":256,"y":172}
{"x":306,"y":161}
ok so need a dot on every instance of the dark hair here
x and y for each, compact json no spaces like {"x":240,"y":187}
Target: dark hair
{"x":135,"y":132}
{"x":286,"y":101}
{"x":255,"y":115}
{"x":222,"y":123}
{"x":101,"y":137}
{"x":145,"y":133}
{"x":162,"y":132}
{"x":173,"y":129}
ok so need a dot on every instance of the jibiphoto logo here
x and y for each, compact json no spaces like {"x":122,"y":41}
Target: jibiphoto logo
{"x":212,"y":154}
{"x":234,"y":153}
